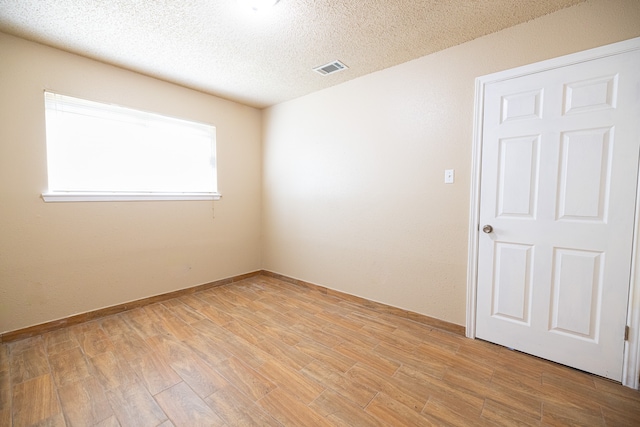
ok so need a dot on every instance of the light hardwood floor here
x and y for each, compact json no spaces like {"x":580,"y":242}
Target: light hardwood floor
{"x":266,"y":352}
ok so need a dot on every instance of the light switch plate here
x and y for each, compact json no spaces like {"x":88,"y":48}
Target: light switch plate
{"x":448,"y":176}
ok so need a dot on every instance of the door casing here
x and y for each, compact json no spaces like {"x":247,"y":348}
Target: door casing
{"x":631,"y":362}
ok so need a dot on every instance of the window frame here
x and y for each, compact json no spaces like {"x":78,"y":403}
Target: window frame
{"x":123,"y":195}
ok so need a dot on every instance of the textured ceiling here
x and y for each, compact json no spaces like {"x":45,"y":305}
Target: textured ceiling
{"x":261,"y":58}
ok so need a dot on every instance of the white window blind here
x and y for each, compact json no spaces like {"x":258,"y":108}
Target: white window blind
{"x":99,"y":151}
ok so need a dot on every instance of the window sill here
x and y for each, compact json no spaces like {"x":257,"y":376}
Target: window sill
{"x":124,"y":197}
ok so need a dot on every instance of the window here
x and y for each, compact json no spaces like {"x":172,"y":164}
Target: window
{"x":102,"y":152}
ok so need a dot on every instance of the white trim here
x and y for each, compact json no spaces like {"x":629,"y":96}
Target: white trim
{"x":631,"y":361}
{"x":474,"y":214}
{"x":631,"y":358}
{"x":113,"y":197}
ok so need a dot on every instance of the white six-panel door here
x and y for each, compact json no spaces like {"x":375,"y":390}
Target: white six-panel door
{"x":559,"y":170}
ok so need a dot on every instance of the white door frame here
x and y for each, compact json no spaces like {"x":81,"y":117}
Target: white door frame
{"x":631,"y":361}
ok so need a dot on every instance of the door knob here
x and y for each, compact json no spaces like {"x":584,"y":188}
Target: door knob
{"x":487,"y":229}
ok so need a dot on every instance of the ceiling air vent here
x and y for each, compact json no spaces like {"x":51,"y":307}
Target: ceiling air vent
{"x":330,"y":68}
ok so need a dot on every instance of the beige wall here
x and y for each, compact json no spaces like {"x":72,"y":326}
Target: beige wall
{"x":353,"y":192}
{"x":60,"y":259}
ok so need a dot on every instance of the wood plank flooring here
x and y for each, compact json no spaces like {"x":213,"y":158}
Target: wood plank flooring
{"x":265,"y":352}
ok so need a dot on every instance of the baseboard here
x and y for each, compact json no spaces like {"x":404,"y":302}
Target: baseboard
{"x":108,"y":311}
{"x":416,"y":317}
{"x":115,"y":309}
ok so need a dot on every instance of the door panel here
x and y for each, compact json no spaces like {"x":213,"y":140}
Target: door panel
{"x":576,"y":291}
{"x":585,"y":174}
{"x":517,"y":179}
{"x":512,"y":282}
{"x":558,"y":184}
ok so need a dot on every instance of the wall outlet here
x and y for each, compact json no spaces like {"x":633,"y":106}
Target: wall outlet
{"x":448,"y":176}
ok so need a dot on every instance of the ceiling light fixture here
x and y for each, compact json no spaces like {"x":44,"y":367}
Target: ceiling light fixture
{"x":258,"y":5}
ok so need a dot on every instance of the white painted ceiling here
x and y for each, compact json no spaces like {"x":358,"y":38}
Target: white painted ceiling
{"x":261,"y":58}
